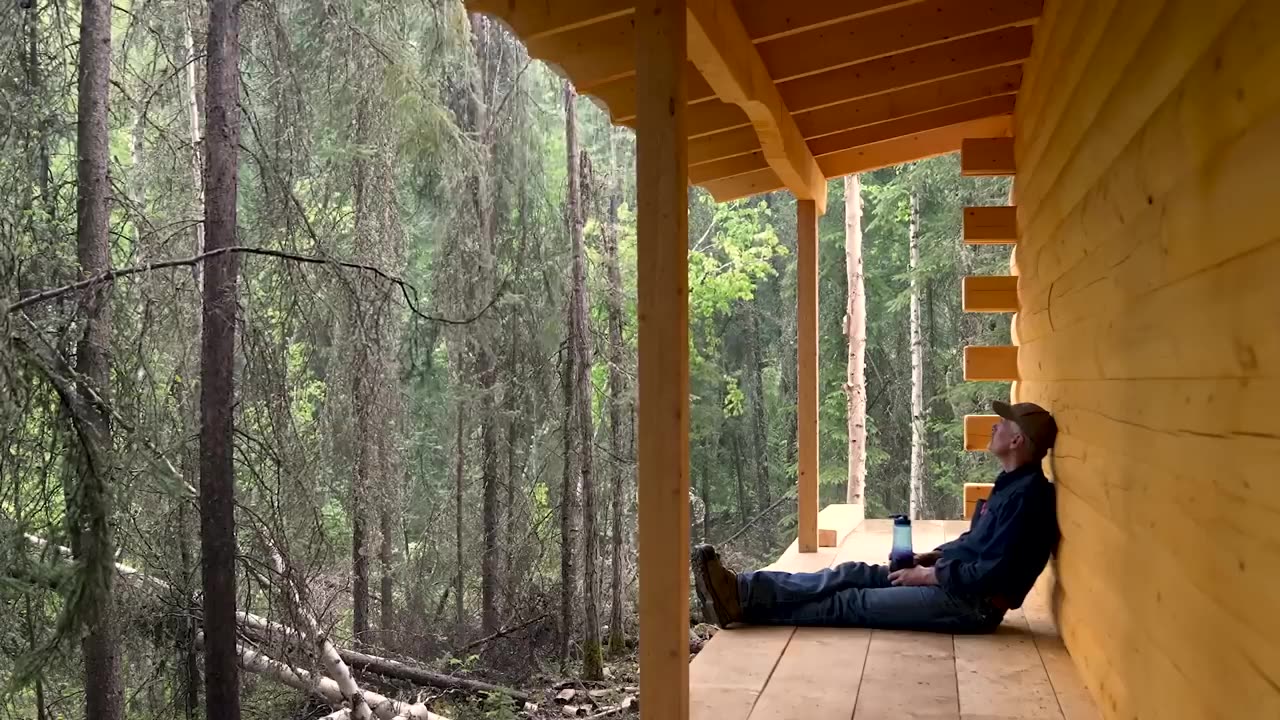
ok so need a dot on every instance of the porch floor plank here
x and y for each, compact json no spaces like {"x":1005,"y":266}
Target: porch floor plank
{"x":1022,"y":672}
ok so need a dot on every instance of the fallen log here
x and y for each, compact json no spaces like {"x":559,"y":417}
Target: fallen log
{"x":326,"y":689}
{"x":337,"y":668}
{"x":262,"y":628}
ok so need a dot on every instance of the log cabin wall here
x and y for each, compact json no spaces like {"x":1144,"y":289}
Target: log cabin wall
{"x":1148,"y":207}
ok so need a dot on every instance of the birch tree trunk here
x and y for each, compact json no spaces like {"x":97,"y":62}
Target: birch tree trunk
{"x":197,"y":169}
{"x":89,"y":502}
{"x":855,"y":332}
{"x":917,"y":369}
{"x":217,"y":380}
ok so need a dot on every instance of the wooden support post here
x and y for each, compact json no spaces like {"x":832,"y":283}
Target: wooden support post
{"x":987,"y":156}
{"x":990,"y":293}
{"x":992,"y":362}
{"x":977,"y":431}
{"x":663,"y":310}
{"x":997,"y":225}
{"x":807,"y":370}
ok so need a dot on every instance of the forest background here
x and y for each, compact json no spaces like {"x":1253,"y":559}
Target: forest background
{"x":434,"y":349}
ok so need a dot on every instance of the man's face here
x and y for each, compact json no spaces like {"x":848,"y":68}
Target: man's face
{"x":1005,"y":436}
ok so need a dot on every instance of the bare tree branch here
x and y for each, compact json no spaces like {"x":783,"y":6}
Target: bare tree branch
{"x":409,"y":292}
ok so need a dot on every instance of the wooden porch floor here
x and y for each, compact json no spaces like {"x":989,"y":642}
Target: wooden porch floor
{"x":1022,"y":672}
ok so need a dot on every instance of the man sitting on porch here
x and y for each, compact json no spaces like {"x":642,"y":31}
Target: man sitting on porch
{"x":963,"y":586}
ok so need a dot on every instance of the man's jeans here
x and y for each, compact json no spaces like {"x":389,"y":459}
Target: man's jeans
{"x":859,"y":595}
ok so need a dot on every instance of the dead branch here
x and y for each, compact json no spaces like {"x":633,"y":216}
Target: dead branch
{"x":503,"y":631}
{"x":407,"y":289}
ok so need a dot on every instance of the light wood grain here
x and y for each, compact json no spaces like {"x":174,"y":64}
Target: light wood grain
{"x":995,"y":225}
{"x":989,"y":293}
{"x":1001,"y":675}
{"x":991,"y":362}
{"x":663,"y":311}
{"x":908,"y":675}
{"x":977,"y":431}
{"x":987,"y":156}
{"x":721,"y":49}
{"x":807,"y":369}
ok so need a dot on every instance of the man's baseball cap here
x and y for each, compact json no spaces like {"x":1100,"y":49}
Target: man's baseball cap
{"x":1034,"y":421}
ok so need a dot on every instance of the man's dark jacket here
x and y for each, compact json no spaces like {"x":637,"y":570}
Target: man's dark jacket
{"x":1008,"y":545}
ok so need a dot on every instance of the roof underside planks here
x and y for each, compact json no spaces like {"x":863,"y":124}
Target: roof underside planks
{"x":784,"y":95}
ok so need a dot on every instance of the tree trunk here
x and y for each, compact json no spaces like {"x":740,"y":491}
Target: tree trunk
{"x":484,"y":208}
{"x":364,"y":394}
{"x":917,"y":369}
{"x":584,"y":426}
{"x":217,"y":380}
{"x":568,"y":502}
{"x":489,"y":482}
{"x":89,"y":503}
{"x":617,"y":393}
{"x":743,"y":508}
{"x":461,"y":450}
{"x":197,"y":170}
{"x":759,"y":440}
{"x":855,"y":332}
{"x":188,"y":654}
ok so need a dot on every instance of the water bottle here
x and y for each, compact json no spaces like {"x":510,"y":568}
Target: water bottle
{"x":901,"y":556}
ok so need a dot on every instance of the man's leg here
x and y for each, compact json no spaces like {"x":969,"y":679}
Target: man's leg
{"x":777,"y":590}
{"x":891,"y":608}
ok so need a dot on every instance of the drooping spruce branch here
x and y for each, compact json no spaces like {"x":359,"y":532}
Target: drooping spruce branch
{"x":407,"y":289}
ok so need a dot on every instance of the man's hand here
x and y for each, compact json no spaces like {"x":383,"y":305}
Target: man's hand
{"x":914,"y":576}
{"x":927,"y":559}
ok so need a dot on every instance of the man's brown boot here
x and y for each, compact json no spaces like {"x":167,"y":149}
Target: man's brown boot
{"x":717,"y":587}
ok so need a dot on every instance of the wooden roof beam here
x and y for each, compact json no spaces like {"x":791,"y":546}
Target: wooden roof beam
{"x":892,"y":32}
{"x":865,"y":112}
{"x":915,"y":67}
{"x":860,"y":137}
{"x":870,"y":157}
{"x":722,"y":51}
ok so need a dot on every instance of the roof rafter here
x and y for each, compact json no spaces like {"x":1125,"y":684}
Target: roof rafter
{"x":895,"y":105}
{"x":719,"y":46}
{"x":861,"y":136}
{"x":889,"y":33}
{"x":919,"y":146}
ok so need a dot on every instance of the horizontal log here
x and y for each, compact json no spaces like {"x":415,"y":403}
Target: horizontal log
{"x":998,"y":362}
{"x":997,"y":225}
{"x":1147,"y":587}
{"x":990,"y":293}
{"x":977,"y":431}
{"x":1094,"y":132}
{"x":987,"y":156}
{"x":973,"y":492}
